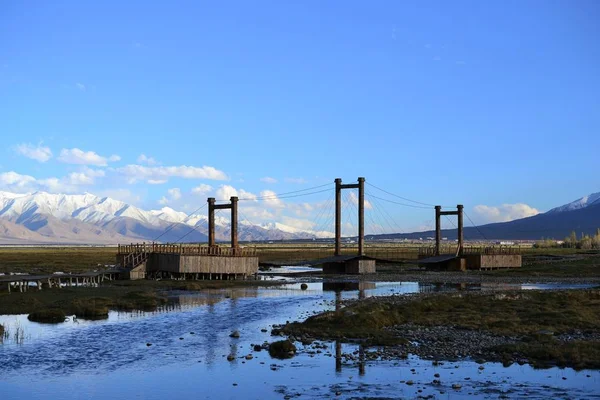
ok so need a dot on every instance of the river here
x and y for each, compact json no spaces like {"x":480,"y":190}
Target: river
{"x":180,"y":351}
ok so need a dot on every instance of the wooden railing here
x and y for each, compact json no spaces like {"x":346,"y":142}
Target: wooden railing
{"x":145,"y":248}
{"x":132,"y":260}
{"x":486,"y":250}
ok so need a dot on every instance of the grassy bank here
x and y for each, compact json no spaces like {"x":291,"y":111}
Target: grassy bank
{"x":145,"y":295}
{"x":537,"y":318}
{"x":565,"y":265}
{"x":44,"y":260}
{"x":83,"y":302}
{"x":575,"y":264}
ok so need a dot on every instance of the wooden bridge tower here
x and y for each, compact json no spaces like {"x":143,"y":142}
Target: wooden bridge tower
{"x":361,"y":214}
{"x":233,"y":206}
{"x":438,"y":227}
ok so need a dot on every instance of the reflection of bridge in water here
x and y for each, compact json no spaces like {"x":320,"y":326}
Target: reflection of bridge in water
{"x":339,"y":355}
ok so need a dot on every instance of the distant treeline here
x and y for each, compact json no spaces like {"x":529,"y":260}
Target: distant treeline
{"x":585,"y":242}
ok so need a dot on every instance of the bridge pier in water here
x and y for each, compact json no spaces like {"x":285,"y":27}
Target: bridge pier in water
{"x":466,"y":259}
{"x":359,"y":264}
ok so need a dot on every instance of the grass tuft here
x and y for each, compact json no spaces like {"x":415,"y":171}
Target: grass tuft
{"x":48,"y":316}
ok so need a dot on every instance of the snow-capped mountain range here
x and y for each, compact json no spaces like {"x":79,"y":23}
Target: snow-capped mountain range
{"x":42,"y":217}
{"x":583,"y":202}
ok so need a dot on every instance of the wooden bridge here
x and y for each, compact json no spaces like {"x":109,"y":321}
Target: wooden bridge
{"x":212,"y":261}
{"x":24,"y":282}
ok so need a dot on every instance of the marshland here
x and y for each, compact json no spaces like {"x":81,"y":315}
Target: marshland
{"x":472,"y":333}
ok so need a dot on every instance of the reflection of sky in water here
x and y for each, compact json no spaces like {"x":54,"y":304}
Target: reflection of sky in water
{"x":291,"y":269}
{"x":110,"y":360}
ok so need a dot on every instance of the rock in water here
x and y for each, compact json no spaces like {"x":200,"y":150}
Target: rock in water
{"x":282,"y":349}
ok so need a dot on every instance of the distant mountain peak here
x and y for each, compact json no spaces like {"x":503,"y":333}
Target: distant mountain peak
{"x":583,"y":202}
{"x":87,"y":218}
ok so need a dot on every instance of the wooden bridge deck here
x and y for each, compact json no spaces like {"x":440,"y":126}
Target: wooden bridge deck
{"x":57,"y":280}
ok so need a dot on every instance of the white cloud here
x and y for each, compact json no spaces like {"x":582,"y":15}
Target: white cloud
{"x":77,"y":156}
{"x":225,"y":192}
{"x":504,"y":213}
{"x":134,"y":172}
{"x":354,"y":200}
{"x":270,"y":198}
{"x":256,"y":214}
{"x":268,"y":179}
{"x":79,"y":178}
{"x":202,"y":189}
{"x":155,"y":181}
{"x":39,"y":153}
{"x":173,"y":194}
{"x":55,"y":185}
{"x":247,"y":195}
{"x":300,"y":224}
{"x":301,"y":209}
{"x":85,"y":177}
{"x":16,"y":182}
{"x":80,"y":86}
{"x":295,"y":180}
{"x":143,"y":159}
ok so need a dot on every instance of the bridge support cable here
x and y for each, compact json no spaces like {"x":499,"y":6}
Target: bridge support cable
{"x":329,"y":218}
{"x":376,"y":225}
{"x":346,"y":205}
{"x":375,"y":219}
{"x":193,"y":228}
{"x":175,"y":223}
{"x":367,"y":215}
{"x":400,"y":197}
{"x":320,"y":219}
{"x":400,"y":204}
{"x":451,"y":222}
{"x":379,"y":208}
{"x":287,"y":195}
{"x":475,"y":226}
{"x":385,"y":222}
{"x":244,"y":218}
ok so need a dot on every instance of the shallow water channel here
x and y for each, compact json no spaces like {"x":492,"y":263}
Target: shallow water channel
{"x":190,"y":341}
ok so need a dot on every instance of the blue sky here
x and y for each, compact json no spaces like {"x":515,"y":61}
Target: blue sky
{"x":491,"y":104}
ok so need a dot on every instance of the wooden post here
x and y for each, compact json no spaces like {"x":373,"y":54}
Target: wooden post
{"x":438,"y":229}
{"x":234,"y":222}
{"x":211,"y":222}
{"x":361,"y":216}
{"x":460,"y":229}
{"x":338,"y":217}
